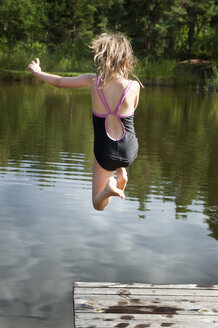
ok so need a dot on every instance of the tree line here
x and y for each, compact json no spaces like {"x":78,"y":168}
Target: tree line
{"x":169,"y":29}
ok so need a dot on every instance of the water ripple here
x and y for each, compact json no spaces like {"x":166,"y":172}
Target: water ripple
{"x":30,"y":171}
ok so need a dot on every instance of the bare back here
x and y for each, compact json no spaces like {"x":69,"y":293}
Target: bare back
{"x":113,"y":93}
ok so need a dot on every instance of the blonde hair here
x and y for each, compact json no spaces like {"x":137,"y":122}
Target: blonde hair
{"x":113,"y":55}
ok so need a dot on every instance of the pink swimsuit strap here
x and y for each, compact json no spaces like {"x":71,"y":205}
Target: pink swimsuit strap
{"x":109,"y":111}
{"x":105,"y":103}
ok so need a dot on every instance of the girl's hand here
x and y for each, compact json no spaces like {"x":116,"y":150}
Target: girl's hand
{"x":34,"y":66}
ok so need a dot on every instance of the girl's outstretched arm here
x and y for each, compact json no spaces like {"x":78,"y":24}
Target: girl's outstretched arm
{"x":84,"y":80}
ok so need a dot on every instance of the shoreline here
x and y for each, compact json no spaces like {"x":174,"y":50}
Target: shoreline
{"x":183,"y":77}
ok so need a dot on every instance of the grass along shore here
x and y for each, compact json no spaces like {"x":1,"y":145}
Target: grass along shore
{"x":189,"y":74}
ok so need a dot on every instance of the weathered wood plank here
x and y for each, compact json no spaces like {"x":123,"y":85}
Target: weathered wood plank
{"x":144,"y":291}
{"x":168,"y":308}
{"x":143,"y":325}
{"x":139,"y":321}
{"x":140,"y":285}
{"x":144,"y":298}
{"x":146,"y":306}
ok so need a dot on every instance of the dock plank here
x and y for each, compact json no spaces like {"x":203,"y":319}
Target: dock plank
{"x":155,"y":306}
{"x":145,"y":305}
{"x":141,"y":321}
{"x":141,"y":285}
{"x":155,"y":291}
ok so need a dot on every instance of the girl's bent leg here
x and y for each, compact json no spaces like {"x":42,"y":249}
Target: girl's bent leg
{"x":104,"y":186}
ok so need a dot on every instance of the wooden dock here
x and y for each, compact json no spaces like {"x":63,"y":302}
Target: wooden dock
{"x":144,"y":305}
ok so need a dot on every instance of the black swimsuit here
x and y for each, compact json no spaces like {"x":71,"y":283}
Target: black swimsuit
{"x":111,"y":153}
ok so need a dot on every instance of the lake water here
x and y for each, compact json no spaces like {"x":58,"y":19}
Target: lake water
{"x":165,"y":231}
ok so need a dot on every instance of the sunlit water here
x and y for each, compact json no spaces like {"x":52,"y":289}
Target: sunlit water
{"x":165,"y":231}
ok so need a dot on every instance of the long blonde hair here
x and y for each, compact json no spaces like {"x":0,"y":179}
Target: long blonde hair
{"x":113,"y":55}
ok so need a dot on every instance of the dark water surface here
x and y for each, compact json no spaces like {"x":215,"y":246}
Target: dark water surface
{"x":165,"y":231}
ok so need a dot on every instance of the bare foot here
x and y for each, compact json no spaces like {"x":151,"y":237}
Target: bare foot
{"x":121,"y":178}
{"x":112,"y":190}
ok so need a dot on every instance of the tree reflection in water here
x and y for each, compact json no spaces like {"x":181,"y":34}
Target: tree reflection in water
{"x":177,"y":132}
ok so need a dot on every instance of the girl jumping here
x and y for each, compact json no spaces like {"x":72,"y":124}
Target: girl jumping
{"x":114,"y":100}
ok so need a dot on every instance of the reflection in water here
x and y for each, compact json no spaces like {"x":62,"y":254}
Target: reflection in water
{"x":178,"y":150}
{"x":71,"y":166}
{"x":49,"y":233}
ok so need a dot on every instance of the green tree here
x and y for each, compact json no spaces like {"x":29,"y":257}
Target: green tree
{"x":146,"y":23}
{"x":174,"y":29}
{"x":68,"y":21}
{"x":21,"y":21}
{"x":195,"y":17}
